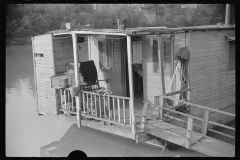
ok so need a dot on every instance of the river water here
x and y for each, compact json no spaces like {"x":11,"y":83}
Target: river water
{"x":27,"y":133}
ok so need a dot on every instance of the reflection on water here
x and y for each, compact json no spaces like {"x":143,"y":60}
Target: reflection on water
{"x":26,"y":132}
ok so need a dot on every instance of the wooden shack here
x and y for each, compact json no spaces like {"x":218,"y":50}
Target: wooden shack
{"x":116,"y":53}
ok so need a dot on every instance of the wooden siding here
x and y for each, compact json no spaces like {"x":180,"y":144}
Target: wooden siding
{"x":63,"y":53}
{"x":151,"y":79}
{"x":44,"y":69}
{"x":212,"y":85}
{"x":115,"y":77}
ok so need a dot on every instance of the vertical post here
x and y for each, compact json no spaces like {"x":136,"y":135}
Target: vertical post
{"x":173,"y":87}
{"x":162,"y":104}
{"x":188,"y":71}
{"x":227,"y":14}
{"x":76,"y":69}
{"x":89,"y":48}
{"x":161,"y":70}
{"x":130,"y":75}
{"x":119,"y":114}
{"x":205,"y":124}
{"x":114,"y":109}
{"x":189,"y":134}
{"x":144,"y":119}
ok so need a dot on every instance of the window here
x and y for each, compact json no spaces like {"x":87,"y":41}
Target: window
{"x":231,"y":53}
{"x":167,"y":56}
{"x":106,"y":55}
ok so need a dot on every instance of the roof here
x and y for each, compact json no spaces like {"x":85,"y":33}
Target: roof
{"x":143,"y":30}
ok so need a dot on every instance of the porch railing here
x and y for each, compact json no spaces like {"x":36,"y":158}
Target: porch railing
{"x":67,"y":102}
{"x":108,"y":108}
{"x":190,"y":118}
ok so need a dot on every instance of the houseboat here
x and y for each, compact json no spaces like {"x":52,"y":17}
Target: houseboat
{"x":167,"y":84}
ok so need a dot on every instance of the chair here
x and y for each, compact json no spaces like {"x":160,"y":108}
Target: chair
{"x":89,"y":73}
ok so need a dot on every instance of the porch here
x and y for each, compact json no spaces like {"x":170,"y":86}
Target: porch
{"x":148,"y":128}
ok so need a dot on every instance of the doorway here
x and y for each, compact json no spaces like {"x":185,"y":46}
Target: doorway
{"x":136,"y":68}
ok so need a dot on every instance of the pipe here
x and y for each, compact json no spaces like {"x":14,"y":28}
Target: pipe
{"x":227,"y":14}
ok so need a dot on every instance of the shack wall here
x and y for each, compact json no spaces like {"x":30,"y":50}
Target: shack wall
{"x":151,"y":79}
{"x":213,"y":86}
{"x":115,"y":77}
{"x":44,"y":69}
{"x":63,"y":53}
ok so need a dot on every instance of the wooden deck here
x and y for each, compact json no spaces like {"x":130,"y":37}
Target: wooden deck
{"x":177,"y":135}
{"x":155,"y":129}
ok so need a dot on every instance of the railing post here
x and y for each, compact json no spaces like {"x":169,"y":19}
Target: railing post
{"x":161,"y":104}
{"x":144,"y":116}
{"x":189,"y":133}
{"x":205,"y":123}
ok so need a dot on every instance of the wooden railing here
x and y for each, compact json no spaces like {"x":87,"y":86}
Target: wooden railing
{"x":67,"y":101}
{"x":205,"y":119}
{"x":108,"y":108}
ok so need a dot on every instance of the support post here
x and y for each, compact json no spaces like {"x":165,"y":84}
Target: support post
{"x":161,"y":70}
{"x":205,"y":124}
{"x":162,"y":104}
{"x":189,"y":133}
{"x":188,"y":70}
{"x":173,"y":86}
{"x":227,"y":14}
{"x":89,"y":47}
{"x":144,"y":116}
{"x":130,"y":75}
{"x":76,"y":69}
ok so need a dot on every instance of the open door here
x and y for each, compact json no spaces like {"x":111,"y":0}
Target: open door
{"x":44,"y":68}
{"x":137,"y":70}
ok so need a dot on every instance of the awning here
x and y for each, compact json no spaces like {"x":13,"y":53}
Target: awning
{"x":230,"y":38}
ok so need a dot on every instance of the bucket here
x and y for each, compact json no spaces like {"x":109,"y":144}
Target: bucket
{"x":64,"y":82}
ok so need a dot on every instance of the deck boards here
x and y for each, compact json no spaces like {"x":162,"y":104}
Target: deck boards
{"x":213,"y":150}
{"x":160,"y":129}
{"x":204,"y":145}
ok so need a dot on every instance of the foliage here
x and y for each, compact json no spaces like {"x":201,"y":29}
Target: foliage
{"x":205,"y":14}
{"x":24,"y":20}
{"x":108,"y":18}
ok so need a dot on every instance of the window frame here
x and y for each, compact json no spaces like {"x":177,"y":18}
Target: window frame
{"x":109,"y":65}
{"x":230,"y":71}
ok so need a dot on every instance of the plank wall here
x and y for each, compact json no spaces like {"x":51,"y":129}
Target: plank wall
{"x":151,"y":79}
{"x":44,"y":69}
{"x":212,"y":85}
{"x":63,"y":53}
{"x":115,"y":77}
